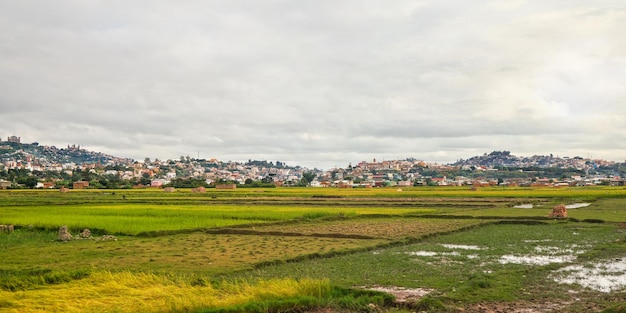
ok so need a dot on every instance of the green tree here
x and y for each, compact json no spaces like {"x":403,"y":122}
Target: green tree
{"x":30,"y":182}
{"x":308,"y":176}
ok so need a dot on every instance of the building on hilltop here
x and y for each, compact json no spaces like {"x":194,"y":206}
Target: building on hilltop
{"x":14,"y":139}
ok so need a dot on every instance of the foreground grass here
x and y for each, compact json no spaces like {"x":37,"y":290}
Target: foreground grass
{"x":141,"y":292}
{"x":220,"y":251}
{"x":187,"y":253}
{"x":176,"y":252}
{"x":471,"y":269}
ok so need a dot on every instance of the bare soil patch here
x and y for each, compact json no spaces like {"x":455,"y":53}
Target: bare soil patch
{"x":514,"y":307}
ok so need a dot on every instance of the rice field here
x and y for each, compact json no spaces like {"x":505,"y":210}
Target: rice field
{"x":333,"y":249}
{"x":104,"y":291}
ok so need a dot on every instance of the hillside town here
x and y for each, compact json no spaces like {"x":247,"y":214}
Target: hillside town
{"x":35,"y":166}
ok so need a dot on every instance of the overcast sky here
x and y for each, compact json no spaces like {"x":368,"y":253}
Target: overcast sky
{"x":316,"y":83}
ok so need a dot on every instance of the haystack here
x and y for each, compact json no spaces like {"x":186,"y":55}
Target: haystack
{"x":559,"y":211}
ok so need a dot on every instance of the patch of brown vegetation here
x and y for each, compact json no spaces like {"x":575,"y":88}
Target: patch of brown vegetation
{"x":196,"y":252}
{"x":374,"y":228}
{"x":559,"y":211}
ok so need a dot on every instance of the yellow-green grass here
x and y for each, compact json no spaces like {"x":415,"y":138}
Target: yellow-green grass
{"x":105,"y":291}
{"x":134,"y":218}
{"x":428,"y":192}
{"x":206,"y":253}
{"x":192,"y":253}
{"x":89,"y":195}
{"x":489,"y":192}
{"x":609,"y":210}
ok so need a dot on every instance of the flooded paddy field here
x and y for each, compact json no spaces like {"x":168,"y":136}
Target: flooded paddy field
{"x":549,"y":267}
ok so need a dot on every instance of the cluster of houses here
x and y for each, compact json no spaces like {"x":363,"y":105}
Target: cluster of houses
{"x":214,"y":171}
{"x":401,"y":173}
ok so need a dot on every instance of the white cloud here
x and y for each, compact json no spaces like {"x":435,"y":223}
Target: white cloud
{"x":317,"y":81}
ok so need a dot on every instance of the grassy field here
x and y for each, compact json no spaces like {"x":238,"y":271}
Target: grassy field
{"x":301,"y":249}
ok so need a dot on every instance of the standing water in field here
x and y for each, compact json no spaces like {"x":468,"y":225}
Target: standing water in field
{"x":462,"y":247}
{"x":577,"y":205}
{"x":544,"y":255}
{"x":567,"y":206}
{"x":535,"y":259}
{"x":605,"y":277}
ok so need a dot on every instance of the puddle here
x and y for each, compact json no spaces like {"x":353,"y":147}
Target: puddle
{"x":402,"y":294}
{"x":462,"y":247}
{"x":536,"y":259}
{"x":422,"y":253}
{"x":568,"y":206}
{"x":545,"y":255}
{"x":559,"y":251}
{"x":577,"y":205}
{"x":604,"y":277}
{"x":432,"y":253}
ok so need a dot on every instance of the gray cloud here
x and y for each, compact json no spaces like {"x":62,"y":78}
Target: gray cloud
{"x":316,"y":83}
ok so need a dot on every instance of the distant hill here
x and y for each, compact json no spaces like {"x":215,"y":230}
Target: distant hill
{"x":38,"y":154}
{"x":20,"y":152}
{"x":506,"y":159}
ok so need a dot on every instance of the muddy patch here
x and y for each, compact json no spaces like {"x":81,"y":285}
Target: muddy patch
{"x":605,"y":276}
{"x":402,"y":295}
{"x":462,"y":247}
{"x":515,"y":307}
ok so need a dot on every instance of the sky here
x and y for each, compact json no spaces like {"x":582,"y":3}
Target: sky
{"x":316,"y":83}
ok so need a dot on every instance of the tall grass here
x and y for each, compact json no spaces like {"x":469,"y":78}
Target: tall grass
{"x":21,"y":237}
{"x":105,"y":291}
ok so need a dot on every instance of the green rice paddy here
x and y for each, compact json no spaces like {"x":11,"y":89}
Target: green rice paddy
{"x":466,"y":248}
